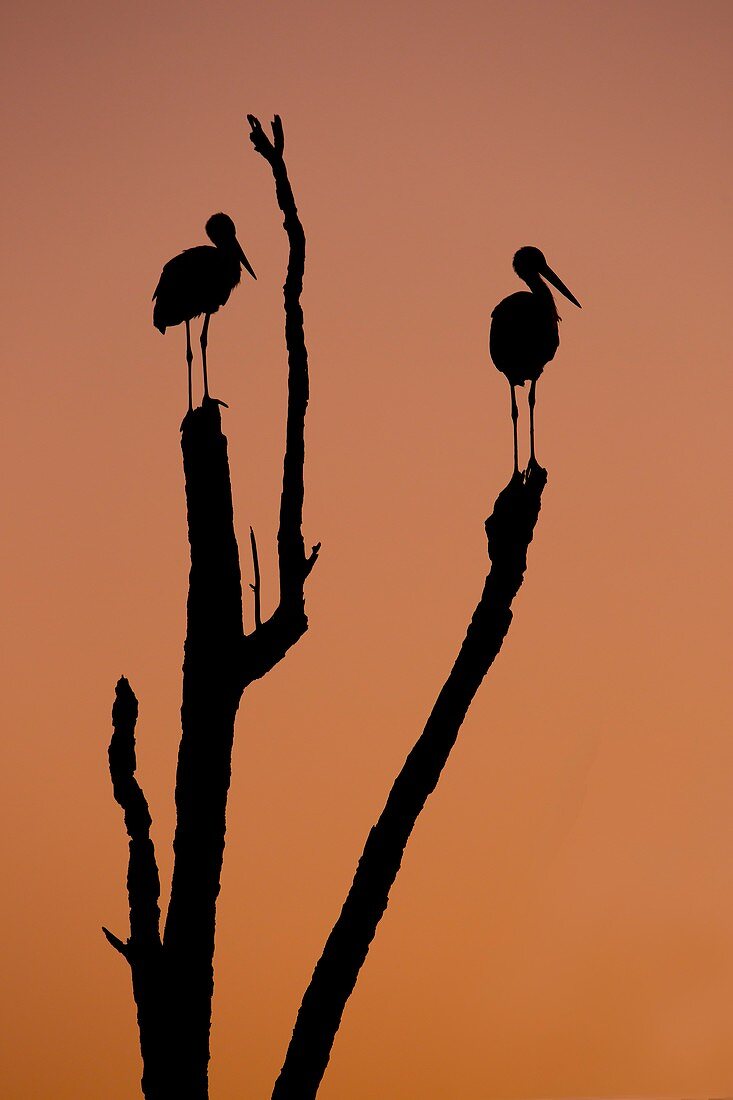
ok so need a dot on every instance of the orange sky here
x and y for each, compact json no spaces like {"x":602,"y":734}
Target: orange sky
{"x":563,"y":922}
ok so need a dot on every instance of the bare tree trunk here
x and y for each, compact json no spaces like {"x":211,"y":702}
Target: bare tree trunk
{"x":173,"y":976}
{"x":509,"y":530}
{"x":212,"y":687}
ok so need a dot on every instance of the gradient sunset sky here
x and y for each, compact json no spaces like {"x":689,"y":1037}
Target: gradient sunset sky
{"x":563,"y":921}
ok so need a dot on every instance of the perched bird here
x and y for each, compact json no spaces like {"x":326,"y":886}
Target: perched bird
{"x":198,"y":281}
{"x":524,"y":331}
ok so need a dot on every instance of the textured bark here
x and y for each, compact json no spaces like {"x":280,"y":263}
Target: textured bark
{"x":173,"y":978}
{"x":509,"y":530}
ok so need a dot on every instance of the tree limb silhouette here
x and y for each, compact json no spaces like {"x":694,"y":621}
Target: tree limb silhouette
{"x":143,"y":883}
{"x":509,"y":531}
{"x":173,"y":978}
{"x":143,"y":949}
{"x":271,"y":639}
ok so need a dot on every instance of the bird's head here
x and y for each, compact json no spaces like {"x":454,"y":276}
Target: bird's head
{"x":529,"y":262}
{"x":221,"y":230}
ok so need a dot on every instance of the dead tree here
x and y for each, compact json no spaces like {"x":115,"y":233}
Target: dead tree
{"x":172,"y":973}
{"x":509,"y":530}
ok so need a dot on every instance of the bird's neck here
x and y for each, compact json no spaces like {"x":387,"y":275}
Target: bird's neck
{"x":539,"y":287}
{"x":230,"y":253}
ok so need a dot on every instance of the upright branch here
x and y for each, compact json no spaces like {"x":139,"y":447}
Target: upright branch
{"x":143,"y":883}
{"x":509,"y":531}
{"x":256,"y":586}
{"x":143,"y":949}
{"x":220,"y":661}
{"x":269,"y":642}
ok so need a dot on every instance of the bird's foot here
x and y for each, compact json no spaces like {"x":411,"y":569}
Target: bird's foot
{"x":533,"y":467}
{"x":207,"y":401}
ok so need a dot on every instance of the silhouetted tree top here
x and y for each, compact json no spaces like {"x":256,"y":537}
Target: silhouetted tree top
{"x":173,"y":975}
{"x":509,"y":531}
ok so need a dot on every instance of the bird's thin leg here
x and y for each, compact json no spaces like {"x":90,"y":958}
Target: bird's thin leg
{"x":189,"y":360}
{"x":515,"y":417}
{"x":532,"y":458}
{"x":204,"y":342}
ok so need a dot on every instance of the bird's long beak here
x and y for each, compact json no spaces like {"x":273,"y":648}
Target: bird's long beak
{"x":245,"y":262}
{"x":560,"y":285}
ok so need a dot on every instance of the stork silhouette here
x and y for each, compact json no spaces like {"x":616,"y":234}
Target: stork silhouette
{"x":524,"y":333}
{"x":198,"y":281}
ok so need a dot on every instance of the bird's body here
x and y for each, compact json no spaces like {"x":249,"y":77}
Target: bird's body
{"x":524,"y":333}
{"x":199,"y":281}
